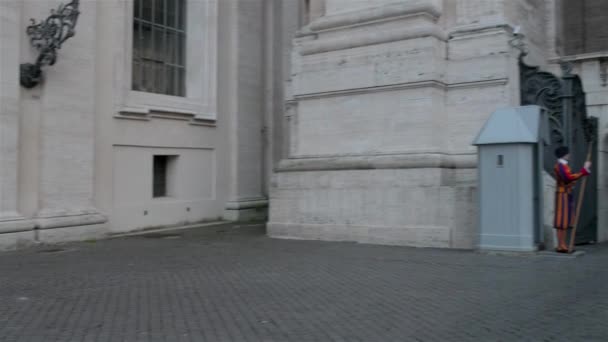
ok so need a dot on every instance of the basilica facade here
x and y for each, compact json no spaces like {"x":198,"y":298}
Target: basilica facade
{"x":347,"y":120}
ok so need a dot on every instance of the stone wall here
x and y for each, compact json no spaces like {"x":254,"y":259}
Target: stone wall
{"x":76,"y":152}
{"x":386,"y":99}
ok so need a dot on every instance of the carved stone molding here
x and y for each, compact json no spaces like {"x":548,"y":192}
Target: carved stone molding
{"x":433,"y":9}
{"x":368,"y":162}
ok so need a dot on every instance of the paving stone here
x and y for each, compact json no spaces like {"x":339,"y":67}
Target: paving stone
{"x":226,"y":284}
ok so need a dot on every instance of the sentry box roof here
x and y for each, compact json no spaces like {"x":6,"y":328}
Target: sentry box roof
{"x":525,"y":124}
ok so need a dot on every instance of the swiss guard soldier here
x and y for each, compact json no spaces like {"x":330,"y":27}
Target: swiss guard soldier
{"x":564,"y":199}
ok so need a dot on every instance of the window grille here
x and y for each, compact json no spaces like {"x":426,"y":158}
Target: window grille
{"x":159,"y":47}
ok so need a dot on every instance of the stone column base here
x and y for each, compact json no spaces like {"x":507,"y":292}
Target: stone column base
{"x":247,"y":210}
{"x":12,"y":223}
{"x":398,"y":201}
{"x":436,"y":237}
{"x":71,"y":234}
{"x":56,"y":228}
{"x":15,"y":232}
{"x":51,"y":221}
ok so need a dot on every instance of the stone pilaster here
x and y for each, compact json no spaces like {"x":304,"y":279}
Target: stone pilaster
{"x":242,"y":42}
{"x":14,"y":228}
{"x":58,"y":163}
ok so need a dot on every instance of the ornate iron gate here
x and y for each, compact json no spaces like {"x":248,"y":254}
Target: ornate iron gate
{"x":564,"y":99}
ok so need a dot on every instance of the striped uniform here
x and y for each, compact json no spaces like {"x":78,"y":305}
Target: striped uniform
{"x":564,"y":199}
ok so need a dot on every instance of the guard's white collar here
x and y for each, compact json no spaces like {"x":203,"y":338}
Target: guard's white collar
{"x":562,"y":161}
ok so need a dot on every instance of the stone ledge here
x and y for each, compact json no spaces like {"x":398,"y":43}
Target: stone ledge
{"x":414,"y":236}
{"x":261,"y":202}
{"x":411,"y":28}
{"x":246,"y":215}
{"x":69,"y":221}
{"x":367,"y":162}
{"x":71,"y":233}
{"x":431,"y":8}
{"x":472,"y":31}
{"x":581,"y":57}
{"x":399,"y":86}
{"x":247,"y":209}
{"x":149,"y":113}
{"x":374,"y":89}
{"x":15,"y":224}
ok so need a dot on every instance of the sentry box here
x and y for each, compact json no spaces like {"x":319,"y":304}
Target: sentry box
{"x":510,"y":168}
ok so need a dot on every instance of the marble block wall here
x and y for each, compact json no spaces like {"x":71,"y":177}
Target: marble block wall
{"x":384,"y":101}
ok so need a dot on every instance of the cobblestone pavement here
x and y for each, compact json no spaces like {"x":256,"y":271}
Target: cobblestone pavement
{"x":226,"y":284}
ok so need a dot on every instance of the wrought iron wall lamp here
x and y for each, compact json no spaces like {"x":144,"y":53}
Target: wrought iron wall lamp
{"x":47,"y":36}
